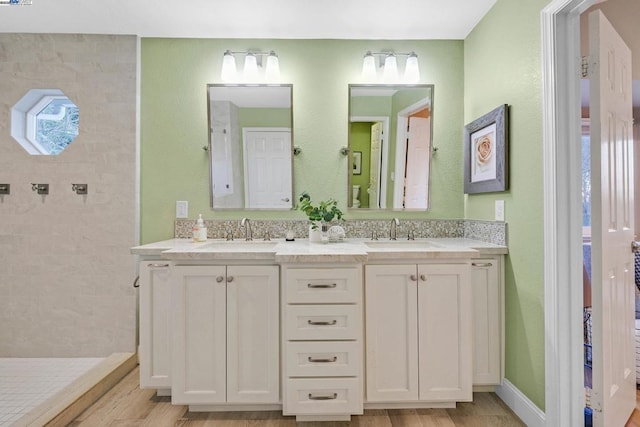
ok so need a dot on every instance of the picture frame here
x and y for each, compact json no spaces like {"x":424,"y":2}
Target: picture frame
{"x":356,"y":163}
{"x":485,"y":149}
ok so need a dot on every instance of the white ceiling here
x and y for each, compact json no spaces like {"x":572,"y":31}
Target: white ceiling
{"x":307,"y":19}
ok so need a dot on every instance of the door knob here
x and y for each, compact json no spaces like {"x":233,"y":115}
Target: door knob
{"x":229,"y":279}
{"x":413,"y":278}
{"x":219,"y":279}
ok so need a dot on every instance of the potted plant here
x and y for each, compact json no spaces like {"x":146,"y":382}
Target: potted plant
{"x":319,"y":214}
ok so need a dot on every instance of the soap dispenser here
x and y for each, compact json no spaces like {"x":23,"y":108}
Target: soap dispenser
{"x":199,"y":230}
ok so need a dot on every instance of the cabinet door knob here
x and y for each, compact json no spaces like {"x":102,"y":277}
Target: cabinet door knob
{"x":229,"y":279}
{"x":423,"y":277}
{"x":219,"y":279}
{"x":413,"y":278}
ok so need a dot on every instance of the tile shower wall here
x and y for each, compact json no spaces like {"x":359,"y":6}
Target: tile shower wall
{"x":65,"y":267}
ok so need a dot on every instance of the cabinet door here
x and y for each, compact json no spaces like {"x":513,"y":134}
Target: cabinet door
{"x":155,"y":328}
{"x":391,"y":333}
{"x":253,"y":342}
{"x":444,"y":332}
{"x":487,"y":328}
{"x":199,"y":335}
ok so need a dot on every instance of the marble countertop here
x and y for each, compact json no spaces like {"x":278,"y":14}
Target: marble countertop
{"x":301,"y":250}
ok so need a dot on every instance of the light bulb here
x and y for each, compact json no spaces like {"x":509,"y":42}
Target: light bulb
{"x":390,"y":73}
{"x":412,"y":70}
{"x":369,"y":74}
{"x":272,"y":71}
{"x":229,"y":72}
{"x":250,"y":73}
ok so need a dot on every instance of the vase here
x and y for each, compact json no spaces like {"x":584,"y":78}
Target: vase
{"x":315,"y":235}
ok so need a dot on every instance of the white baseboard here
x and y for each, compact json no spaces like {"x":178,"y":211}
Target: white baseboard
{"x":520,"y":404}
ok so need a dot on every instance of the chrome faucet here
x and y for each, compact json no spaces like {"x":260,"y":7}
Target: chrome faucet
{"x":247,"y":228}
{"x":393,"y":229}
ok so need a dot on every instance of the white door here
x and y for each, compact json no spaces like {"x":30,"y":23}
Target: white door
{"x":253,"y":340}
{"x":267,"y":163}
{"x":199,"y":356}
{"x":391,"y":333}
{"x":614,"y":378}
{"x":375,"y":165}
{"x":444,"y":332}
{"x":417,"y":172}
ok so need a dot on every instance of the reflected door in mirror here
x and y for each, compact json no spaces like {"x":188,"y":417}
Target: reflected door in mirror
{"x":250,"y":146}
{"x":391,"y":126}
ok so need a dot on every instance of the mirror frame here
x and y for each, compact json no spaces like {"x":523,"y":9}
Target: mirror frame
{"x":210,"y":151}
{"x":431,"y":87}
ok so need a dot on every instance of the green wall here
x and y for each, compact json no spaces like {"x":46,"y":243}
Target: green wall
{"x":502,"y":66}
{"x":173,"y":122}
{"x":498,"y":63}
{"x":264,"y":117}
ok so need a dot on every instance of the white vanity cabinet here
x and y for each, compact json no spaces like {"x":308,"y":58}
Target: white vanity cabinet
{"x":488,"y":311}
{"x":154,"y":351}
{"x":225,"y":334}
{"x":418,"y":332}
{"x":322,"y":341}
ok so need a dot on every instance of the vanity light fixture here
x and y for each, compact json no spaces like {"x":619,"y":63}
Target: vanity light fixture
{"x":389,"y":63}
{"x":252,"y":65}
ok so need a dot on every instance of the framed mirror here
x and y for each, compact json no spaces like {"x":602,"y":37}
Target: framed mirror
{"x":250,"y":146}
{"x":390,"y":146}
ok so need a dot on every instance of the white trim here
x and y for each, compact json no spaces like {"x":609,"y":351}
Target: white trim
{"x":525,"y":409}
{"x":564,"y":393}
{"x":384,"y":166}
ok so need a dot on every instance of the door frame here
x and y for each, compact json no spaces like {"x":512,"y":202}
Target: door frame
{"x":564,"y":376}
{"x":384,"y":164}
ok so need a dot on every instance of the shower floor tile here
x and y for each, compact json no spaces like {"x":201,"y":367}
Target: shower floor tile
{"x":27,"y":382}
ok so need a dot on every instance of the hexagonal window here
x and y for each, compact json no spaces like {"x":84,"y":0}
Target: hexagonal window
{"x":44,"y":121}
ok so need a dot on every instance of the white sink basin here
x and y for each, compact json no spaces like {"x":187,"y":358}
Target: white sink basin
{"x":402,"y":244}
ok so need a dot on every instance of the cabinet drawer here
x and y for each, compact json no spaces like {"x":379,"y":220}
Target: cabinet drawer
{"x":323,"y":322}
{"x":323,"y":359}
{"x":310,"y":396}
{"x":323,"y":285}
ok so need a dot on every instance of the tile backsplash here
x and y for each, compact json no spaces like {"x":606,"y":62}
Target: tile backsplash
{"x":488,"y":231}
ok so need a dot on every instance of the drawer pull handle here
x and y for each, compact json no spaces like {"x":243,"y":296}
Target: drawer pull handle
{"x":329,"y":323}
{"x":481,"y":264}
{"x":332,"y":360}
{"x":157,"y":265}
{"x":321,"y":285}
{"x":423,"y":277}
{"x":333,"y":396}
{"x":219,"y":279}
{"x":413,"y":278}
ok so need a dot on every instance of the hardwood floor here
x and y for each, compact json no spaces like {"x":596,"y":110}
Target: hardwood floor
{"x":634,"y":420}
{"x":126,"y":405}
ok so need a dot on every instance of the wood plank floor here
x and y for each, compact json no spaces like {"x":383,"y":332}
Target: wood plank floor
{"x":634,"y":420}
{"x":126,"y":405}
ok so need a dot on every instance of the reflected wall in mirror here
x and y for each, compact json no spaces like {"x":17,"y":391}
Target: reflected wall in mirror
{"x":392,"y":127}
{"x":250,"y":146}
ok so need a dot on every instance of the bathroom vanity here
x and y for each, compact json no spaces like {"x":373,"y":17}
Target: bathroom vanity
{"x":321,"y":331}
